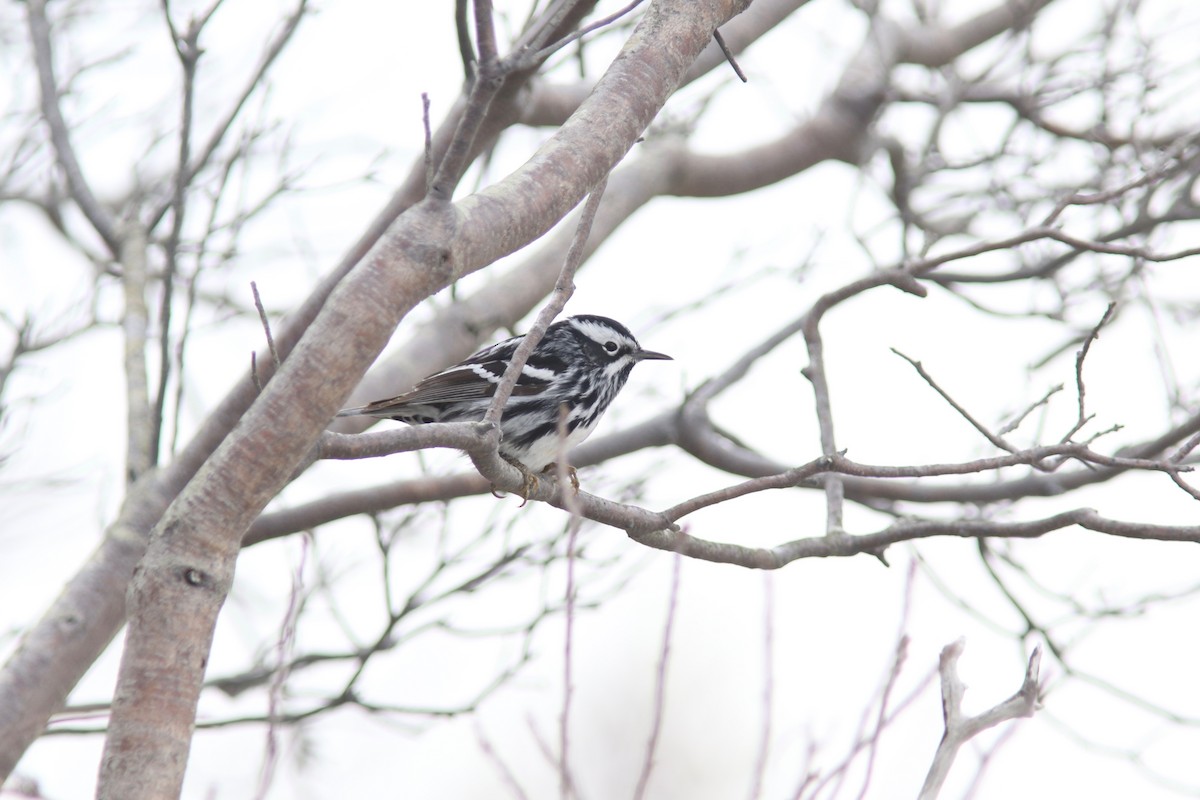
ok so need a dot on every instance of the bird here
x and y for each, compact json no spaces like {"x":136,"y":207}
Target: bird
{"x":580,"y":364}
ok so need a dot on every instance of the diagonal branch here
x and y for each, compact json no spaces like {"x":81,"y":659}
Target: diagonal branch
{"x":60,"y":139}
{"x":563,"y":289}
{"x":995,"y":439}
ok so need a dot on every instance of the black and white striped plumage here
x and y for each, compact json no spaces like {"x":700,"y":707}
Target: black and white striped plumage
{"x":581,"y":362}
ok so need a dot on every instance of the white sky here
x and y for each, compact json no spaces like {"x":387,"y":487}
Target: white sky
{"x":348,"y":93}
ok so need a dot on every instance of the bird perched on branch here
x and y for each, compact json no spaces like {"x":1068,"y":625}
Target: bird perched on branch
{"x":579,"y":365}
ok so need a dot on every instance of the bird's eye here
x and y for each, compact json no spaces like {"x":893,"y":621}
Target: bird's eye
{"x":610,"y":347}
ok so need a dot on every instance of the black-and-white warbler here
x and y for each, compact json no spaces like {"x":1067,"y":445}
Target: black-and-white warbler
{"x":581,"y":363}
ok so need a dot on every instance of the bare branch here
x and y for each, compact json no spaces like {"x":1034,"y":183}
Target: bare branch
{"x":995,"y":439}
{"x":768,"y":689}
{"x":564,"y":725}
{"x":959,"y":728}
{"x":466,"y":50}
{"x":563,"y":290}
{"x":720,"y":40}
{"x":187,"y":48}
{"x":506,"y":774}
{"x":140,"y":452}
{"x":78,"y":186}
{"x":660,"y":683}
{"x":1079,"y":359}
{"x":485,"y":34}
{"x":815,"y":372}
{"x":1017,"y":419}
{"x":1074,"y":237}
{"x":266,"y":324}
{"x":541,"y":55}
{"x":429,"y":171}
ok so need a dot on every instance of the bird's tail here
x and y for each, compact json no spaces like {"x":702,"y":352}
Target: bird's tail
{"x":384,"y":409}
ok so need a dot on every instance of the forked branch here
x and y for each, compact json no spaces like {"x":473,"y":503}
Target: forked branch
{"x":960,"y":728}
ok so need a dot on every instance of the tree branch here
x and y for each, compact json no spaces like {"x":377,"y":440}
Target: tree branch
{"x":960,"y":728}
{"x":78,"y":186}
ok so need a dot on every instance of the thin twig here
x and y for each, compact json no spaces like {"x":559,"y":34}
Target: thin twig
{"x":995,"y":439}
{"x":1016,"y":421}
{"x":986,"y":758}
{"x":576,"y":517}
{"x":284,"y":649}
{"x":835,"y":491}
{"x":768,"y":688}
{"x":901,"y":653}
{"x":506,"y":774}
{"x":1079,"y":359}
{"x":563,"y":289}
{"x":1185,"y":449}
{"x":531,"y":60}
{"x":466,"y":51}
{"x":720,"y":40}
{"x":544,"y":748}
{"x":187,"y":48}
{"x":660,"y":683}
{"x":428,"y":141}
{"x":60,"y":138}
{"x":266,"y":323}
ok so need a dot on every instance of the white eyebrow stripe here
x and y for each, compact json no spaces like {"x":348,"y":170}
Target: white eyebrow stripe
{"x":594,"y":331}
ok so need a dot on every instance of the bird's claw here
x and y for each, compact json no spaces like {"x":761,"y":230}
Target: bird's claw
{"x":529,"y":481}
{"x":529,"y":485}
{"x":571,"y":474}
{"x":574,"y":478}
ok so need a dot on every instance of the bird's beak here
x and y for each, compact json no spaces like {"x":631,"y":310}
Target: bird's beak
{"x":650,"y":355}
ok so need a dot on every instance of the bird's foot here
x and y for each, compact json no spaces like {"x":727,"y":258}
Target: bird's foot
{"x":529,"y":481}
{"x":570,"y":474}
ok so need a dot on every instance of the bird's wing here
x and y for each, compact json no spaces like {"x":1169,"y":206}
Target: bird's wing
{"x":473,"y":379}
